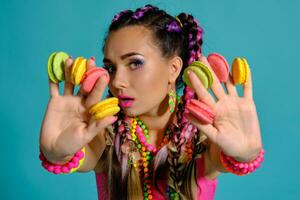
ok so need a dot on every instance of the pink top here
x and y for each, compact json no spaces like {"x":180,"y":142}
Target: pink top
{"x":205,"y":192}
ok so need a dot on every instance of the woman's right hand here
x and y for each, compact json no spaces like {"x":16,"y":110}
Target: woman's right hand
{"x":67,"y":126}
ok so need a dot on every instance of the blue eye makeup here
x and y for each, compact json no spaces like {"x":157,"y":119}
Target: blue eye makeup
{"x":133,"y":65}
{"x":137,"y":63}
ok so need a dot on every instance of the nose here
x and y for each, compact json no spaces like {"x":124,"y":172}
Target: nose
{"x":119,"y":79}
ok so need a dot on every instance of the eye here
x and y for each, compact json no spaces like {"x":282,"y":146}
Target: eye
{"x":136,"y":63}
{"x":110,"y":69}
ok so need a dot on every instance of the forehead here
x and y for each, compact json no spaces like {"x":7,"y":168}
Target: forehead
{"x":130,"y":39}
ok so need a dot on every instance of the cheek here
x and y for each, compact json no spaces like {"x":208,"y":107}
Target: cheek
{"x":150,"y":83}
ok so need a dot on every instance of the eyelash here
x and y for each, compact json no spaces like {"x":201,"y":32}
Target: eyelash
{"x":138,"y":63}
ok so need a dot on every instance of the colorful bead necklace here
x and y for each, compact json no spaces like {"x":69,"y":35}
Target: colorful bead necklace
{"x":140,"y":135}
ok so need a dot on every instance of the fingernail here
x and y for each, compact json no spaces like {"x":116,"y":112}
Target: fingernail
{"x":70,"y":57}
{"x":92,"y":58}
{"x":114,"y":120}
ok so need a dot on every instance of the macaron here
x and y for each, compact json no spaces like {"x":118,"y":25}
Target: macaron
{"x":220,"y":66}
{"x":56,"y":66}
{"x":50,"y":69}
{"x":78,"y":69}
{"x":91,"y":76}
{"x":240,"y":71}
{"x":201,"y":111}
{"x":107,"y":107}
{"x":202,"y":72}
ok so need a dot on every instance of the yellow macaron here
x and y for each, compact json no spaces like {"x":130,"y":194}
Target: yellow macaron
{"x":240,"y":71}
{"x":78,"y":69}
{"x":105,"y":108}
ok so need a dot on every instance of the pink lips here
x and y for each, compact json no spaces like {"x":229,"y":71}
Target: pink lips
{"x":125,"y":101}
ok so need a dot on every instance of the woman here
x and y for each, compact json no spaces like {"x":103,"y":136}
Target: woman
{"x":152,"y":149}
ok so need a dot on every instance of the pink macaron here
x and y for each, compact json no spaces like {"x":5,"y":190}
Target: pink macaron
{"x":91,"y":76}
{"x":220,"y":66}
{"x":201,"y":111}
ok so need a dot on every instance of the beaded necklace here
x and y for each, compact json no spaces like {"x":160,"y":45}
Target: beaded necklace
{"x":140,"y":135}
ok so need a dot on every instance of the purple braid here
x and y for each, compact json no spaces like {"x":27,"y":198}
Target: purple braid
{"x":173,"y":27}
{"x":119,"y":15}
{"x":141,"y":11}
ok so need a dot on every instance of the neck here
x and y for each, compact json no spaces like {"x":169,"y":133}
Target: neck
{"x":158,"y":120}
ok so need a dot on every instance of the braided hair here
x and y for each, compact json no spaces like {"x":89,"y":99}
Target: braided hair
{"x":182,"y":37}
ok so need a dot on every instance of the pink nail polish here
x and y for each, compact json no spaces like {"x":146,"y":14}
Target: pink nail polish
{"x":114,"y":120}
{"x":93,"y":58}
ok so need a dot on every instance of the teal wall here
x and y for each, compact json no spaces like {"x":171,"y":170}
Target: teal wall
{"x":265,"y":32}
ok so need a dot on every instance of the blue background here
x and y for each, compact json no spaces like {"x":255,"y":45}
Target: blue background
{"x":265,"y":32}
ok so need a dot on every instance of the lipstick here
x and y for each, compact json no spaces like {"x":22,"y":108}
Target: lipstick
{"x":125,"y":101}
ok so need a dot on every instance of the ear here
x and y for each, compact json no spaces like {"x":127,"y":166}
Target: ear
{"x":175,"y":66}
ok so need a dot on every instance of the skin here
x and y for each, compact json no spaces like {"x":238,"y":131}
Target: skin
{"x":67,"y":127}
{"x":148,"y":83}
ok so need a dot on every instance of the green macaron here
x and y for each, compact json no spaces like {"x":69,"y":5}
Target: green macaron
{"x":56,"y":66}
{"x":50,"y":69}
{"x":59,"y":65}
{"x":202,"y":72}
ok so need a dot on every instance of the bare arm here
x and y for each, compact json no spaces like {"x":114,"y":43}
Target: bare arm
{"x":94,"y":150}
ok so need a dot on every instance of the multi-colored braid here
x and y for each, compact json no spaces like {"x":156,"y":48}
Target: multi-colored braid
{"x":177,"y":167}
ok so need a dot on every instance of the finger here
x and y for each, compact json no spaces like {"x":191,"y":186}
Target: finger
{"x":200,"y":90}
{"x":54,"y":88}
{"x":69,"y":87}
{"x":247,"y":87}
{"x":216,"y":85}
{"x":97,"y":92}
{"x":91,"y":63}
{"x":96,"y":126}
{"x":208,"y":129}
{"x":230,"y":87}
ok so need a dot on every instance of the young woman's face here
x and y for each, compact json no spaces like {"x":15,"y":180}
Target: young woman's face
{"x":137,"y":70}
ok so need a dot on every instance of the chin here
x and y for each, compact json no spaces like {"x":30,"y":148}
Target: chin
{"x":129,"y":112}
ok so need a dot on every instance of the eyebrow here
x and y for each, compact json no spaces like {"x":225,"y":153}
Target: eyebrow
{"x":123,"y":56}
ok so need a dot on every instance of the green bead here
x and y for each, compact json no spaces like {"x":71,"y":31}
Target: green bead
{"x":146,"y":131}
{"x":139,"y":146}
{"x":143,"y":126}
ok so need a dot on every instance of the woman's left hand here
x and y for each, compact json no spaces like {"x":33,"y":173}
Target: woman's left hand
{"x":236,"y":127}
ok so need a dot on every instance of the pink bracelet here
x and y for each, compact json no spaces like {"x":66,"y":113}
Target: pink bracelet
{"x":67,"y":168}
{"x":241,"y":168}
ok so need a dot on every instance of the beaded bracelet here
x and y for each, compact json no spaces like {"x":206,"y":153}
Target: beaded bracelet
{"x":67,"y":168}
{"x":241,"y":168}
